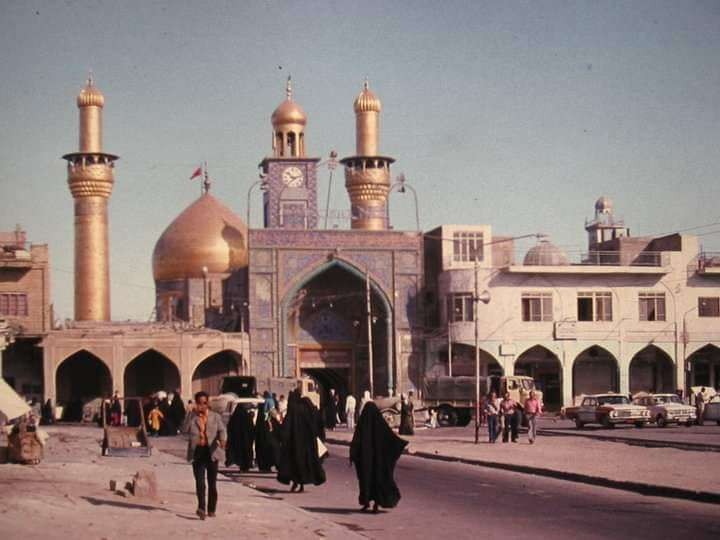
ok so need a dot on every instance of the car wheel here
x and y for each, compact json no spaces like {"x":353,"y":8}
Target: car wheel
{"x":689,"y":423}
{"x":579,"y":424}
{"x":661,"y":421}
{"x":606,"y":422}
{"x":639,"y":424}
{"x":447,"y":417}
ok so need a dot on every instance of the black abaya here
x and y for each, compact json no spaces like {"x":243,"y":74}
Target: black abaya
{"x":407,"y":419}
{"x":330,"y":412}
{"x":240,"y":439}
{"x":375,"y":450}
{"x":177,"y":410}
{"x":299,"y":461}
{"x":267,"y":441}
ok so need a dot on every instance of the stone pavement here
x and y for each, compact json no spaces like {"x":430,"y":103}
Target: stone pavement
{"x":654,"y":471}
{"x":68,"y":496}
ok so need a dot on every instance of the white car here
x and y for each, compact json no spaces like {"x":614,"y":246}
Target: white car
{"x":712,"y":409}
{"x":668,"y":409}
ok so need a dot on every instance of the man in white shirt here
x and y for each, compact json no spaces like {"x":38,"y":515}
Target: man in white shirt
{"x":350,"y":405}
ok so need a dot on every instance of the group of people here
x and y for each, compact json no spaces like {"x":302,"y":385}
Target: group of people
{"x":163,"y":413}
{"x":291,"y":441}
{"x":504,"y":416}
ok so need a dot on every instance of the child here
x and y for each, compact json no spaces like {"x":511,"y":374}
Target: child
{"x":155,"y":417}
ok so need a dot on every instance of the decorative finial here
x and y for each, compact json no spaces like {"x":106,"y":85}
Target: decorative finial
{"x":90,"y":79}
{"x":366,"y":85}
{"x":288,"y":88}
{"x":206,"y":179}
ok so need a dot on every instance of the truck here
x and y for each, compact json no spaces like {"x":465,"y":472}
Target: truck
{"x":244,"y":390}
{"x":454,"y":397}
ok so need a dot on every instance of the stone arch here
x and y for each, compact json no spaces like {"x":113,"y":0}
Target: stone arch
{"x":651,"y":370}
{"x":150,"y":372}
{"x":208,"y":372}
{"x":79,"y":378}
{"x":704,"y":366}
{"x":595,"y":370}
{"x":545,"y":368}
{"x":337,"y":353}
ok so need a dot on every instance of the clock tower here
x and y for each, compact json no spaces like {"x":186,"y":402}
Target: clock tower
{"x":290,"y":200}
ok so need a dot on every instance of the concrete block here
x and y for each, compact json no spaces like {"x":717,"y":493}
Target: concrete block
{"x":145,"y":484}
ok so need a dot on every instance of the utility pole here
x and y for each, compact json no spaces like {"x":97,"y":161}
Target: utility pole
{"x":476,"y":298}
{"x":449,"y":347}
{"x":369,"y":330}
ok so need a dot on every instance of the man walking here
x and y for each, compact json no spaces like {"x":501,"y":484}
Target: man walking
{"x":492,"y":410}
{"x":508,"y":407}
{"x":700,"y":406}
{"x":206,"y":447}
{"x":533,"y":409}
{"x":350,"y":405}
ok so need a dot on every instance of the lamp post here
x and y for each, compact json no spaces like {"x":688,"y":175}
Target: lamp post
{"x":402,"y":185}
{"x":331,"y":165}
{"x":685,"y":338}
{"x":484,"y":298}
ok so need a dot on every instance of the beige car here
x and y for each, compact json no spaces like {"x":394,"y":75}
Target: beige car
{"x":667,"y":409}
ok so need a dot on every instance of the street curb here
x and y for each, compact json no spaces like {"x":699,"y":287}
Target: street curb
{"x":653,"y":490}
{"x":696,"y":447}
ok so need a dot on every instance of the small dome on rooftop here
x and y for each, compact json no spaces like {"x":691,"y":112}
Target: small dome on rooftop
{"x":545,"y":253}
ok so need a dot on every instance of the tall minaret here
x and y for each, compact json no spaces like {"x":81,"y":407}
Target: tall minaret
{"x":367,"y":174}
{"x":90,"y":177}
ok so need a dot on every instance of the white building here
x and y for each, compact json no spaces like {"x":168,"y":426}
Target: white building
{"x":630,"y":314}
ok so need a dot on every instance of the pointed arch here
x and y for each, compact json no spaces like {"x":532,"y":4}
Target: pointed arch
{"x":595,"y":370}
{"x":149,"y":372}
{"x":208,"y":373}
{"x":704,"y":366}
{"x":79,"y":378}
{"x":651,"y":370}
{"x":544,"y":366}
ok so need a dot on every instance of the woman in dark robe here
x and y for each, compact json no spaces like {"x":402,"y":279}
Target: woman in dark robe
{"x":330,"y":410}
{"x":177,"y":410}
{"x":133,"y":412}
{"x":374,"y":451}
{"x":299,"y":462}
{"x":167,"y":424}
{"x":47,"y":415}
{"x":407,"y":418}
{"x":241,"y":434}
{"x":267,"y":440}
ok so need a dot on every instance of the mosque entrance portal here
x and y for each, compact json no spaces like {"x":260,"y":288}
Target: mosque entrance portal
{"x":80,"y":378}
{"x":327,"y":333}
{"x":150,"y":372}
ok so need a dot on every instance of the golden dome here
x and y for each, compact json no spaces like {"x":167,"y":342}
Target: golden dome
{"x":367,"y":101}
{"x":288,"y":112}
{"x":90,"y":96}
{"x":207,"y":234}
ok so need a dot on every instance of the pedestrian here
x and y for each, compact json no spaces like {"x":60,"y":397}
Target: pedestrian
{"x":240,"y":435}
{"x":167,"y":425}
{"x":282,"y":406}
{"x":133,"y":413}
{"x":206,"y":447}
{"x":533,"y":409}
{"x":365,"y":399}
{"x":700,"y":405}
{"x":330,"y":411}
{"x":492,"y":410}
{"x":178,"y":410}
{"x":375,"y":450}
{"x":115,"y":410}
{"x":350,"y":405}
{"x":267,"y":440}
{"x":407,"y":417}
{"x":508,"y":409}
{"x":299,"y":460}
{"x":154,"y":419}
{"x":47,"y":413}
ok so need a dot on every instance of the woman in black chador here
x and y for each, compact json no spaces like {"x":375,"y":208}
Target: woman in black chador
{"x":299,"y":462}
{"x":267,"y":440}
{"x":375,"y":450}
{"x":330,"y":410}
{"x":240,"y":439}
{"x":407,"y":417}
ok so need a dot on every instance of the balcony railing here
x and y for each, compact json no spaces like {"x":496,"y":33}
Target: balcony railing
{"x":15,"y":252}
{"x":619,"y":258}
{"x":709,"y":259}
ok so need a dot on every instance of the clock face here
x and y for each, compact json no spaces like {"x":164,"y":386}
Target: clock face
{"x":293,"y":177}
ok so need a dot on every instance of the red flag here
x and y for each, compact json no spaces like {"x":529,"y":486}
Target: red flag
{"x":198,"y":172}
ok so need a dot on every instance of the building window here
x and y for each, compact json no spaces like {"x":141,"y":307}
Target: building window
{"x":709,"y":306}
{"x":594,"y":306}
{"x":652,"y":306}
{"x":468,"y":246}
{"x":537,"y":307}
{"x":460,"y":307}
{"x":14,"y":304}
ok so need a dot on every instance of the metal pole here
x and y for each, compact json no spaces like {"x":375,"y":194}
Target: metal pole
{"x":369,"y":329}
{"x":476,"y":299}
{"x":449,"y":348}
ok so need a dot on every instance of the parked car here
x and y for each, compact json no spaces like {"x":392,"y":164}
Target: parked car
{"x":667,"y":409}
{"x":712,"y":409}
{"x":607,"y":410}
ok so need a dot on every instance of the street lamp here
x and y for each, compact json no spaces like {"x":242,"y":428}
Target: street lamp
{"x":484,"y":298}
{"x":402,"y":185}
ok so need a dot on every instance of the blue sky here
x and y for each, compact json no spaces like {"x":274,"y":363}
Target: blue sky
{"x":516,"y":114}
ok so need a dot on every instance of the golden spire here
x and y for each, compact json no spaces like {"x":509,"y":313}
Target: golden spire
{"x":90,"y":96}
{"x":289,"y":122}
{"x":288,"y":88}
{"x":367,"y":101}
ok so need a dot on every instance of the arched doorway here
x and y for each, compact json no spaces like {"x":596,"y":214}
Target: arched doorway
{"x":463,"y":361}
{"x":544,"y":367}
{"x":704,"y":366}
{"x":652,"y":370}
{"x":150,"y":372}
{"x":80,"y":378}
{"x":209,"y":373}
{"x":326,"y":332}
{"x":595,"y":371}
